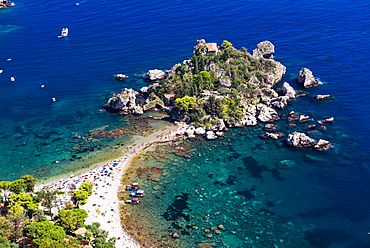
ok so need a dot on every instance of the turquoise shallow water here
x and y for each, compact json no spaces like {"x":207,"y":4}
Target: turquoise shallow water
{"x":325,"y":196}
{"x":237,"y":182}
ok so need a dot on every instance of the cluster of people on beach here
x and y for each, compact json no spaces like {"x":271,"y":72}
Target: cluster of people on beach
{"x":103,"y":205}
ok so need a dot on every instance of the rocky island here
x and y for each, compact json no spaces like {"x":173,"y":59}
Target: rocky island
{"x":220,"y":87}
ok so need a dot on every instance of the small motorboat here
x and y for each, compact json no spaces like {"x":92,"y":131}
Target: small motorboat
{"x":133,"y":201}
{"x":64,"y":33}
{"x":139,"y":193}
{"x":134,"y":186}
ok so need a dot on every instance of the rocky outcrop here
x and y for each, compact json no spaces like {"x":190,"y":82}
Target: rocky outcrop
{"x":153,"y":102}
{"x":270,"y":127}
{"x":144,"y":90}
{"x":297,"y":139}
{"x":275,"y":75}
{"x":273,"y":136}
{"x":224,"y":83}
{"x":155,"y":75}
{"x":124,"y":101}
{"x":289,"y":91}
{"x":304,"y":118}
{"x":329,"y":120}
{"x":266,"y":114}
{"x":138,"y":110}
{"x":323,"y":97}
{"x":265,"y":49}
{"x":323,"y":145}
{"x":190,"y":132}
{"x":199,"y":131}
{"x":280,"y":102}
{"x":306,"y":78}
{"x":248,"y":120}
{"x":210,"y":135}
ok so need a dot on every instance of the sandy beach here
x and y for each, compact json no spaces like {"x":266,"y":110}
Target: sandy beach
{"x":103,"y":205}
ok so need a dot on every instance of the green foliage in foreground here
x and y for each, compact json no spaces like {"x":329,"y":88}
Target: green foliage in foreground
{"x":83,"y":193}
{"x":40,"y":231}
{"x":4,"y":243}
{"x":71,"y":219}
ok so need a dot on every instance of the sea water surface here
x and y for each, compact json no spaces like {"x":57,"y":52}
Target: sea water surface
{"x":321,"y":202}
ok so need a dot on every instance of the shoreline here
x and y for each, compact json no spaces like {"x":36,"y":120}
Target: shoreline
{"x":103,"y":205}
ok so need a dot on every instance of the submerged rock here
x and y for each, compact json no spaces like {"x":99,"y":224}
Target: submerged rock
{"x":306,"y":78}
{"x":273,"y":136}
{"x":286,"y":164}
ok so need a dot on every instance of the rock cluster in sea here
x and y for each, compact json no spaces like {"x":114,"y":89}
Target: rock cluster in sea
{"x":212,"y":99}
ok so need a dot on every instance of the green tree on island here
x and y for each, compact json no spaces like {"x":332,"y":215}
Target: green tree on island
{"x":185,"y":103}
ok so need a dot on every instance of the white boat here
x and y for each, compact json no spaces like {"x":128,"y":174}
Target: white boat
{"x":64,"y":33}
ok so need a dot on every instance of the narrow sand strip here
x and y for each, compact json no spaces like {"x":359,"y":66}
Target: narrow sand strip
{"x":103,"y":205}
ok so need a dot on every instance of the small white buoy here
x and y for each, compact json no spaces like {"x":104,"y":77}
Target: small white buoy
{"x":12,"y":79}
{"x":42,"y":86}
{"x":77,"y":4}
{"x":53,"y":99}
{"x":1,"y":71}
{"x":8,"y":59}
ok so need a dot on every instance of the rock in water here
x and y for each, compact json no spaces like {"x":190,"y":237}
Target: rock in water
{"x":265,"y":49}
{"x":286,"y":164}
{"x":155,"y":74}
{"x":125,"y":101}
{"x":323,"y":145}
{"x":306,"y":78}
{"x":289,"y":91}
{"x":297,"y":139}
{"x":210,"y":135}
{"x":323,"y":97}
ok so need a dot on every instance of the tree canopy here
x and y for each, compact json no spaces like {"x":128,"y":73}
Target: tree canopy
{"x":186,"y":102}
{"x":40,"y":231}
{"x":71,"y":219}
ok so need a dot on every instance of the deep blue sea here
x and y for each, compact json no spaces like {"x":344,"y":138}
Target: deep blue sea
{"x":323,"y":202}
